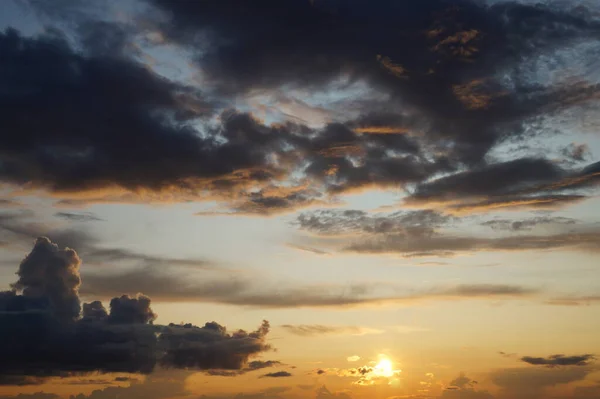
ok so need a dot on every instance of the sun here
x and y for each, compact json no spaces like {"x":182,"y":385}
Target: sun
{"x":384,"y":368}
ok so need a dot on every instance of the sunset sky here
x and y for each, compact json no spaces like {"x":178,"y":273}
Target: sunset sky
{"x":299,"y":199}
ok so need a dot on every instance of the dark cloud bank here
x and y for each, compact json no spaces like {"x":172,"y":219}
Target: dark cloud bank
{"x":107,"y":125}
{"x":45,"y":331}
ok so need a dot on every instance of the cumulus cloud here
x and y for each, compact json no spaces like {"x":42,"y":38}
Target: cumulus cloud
{"x":44,"y":333}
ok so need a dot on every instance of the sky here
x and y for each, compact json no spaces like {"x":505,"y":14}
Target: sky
{"x":300,"y":199}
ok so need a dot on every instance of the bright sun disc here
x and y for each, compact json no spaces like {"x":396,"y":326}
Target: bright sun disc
{"x":384,"y":368}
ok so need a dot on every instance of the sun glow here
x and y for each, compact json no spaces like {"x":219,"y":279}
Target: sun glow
{"x":384,"y":368}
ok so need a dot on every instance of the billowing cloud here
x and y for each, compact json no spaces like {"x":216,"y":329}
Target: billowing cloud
{"x":43,"y":333}
{"x":443,"y":82}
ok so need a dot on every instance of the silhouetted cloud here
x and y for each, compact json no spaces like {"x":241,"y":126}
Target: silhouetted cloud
{"x":449,"y":85}
{"x":435,"y":58}
{"x":277,"y":374}
{"x":42,"y":333}
{"x":559,"y":360}
{"x":526,"y":182}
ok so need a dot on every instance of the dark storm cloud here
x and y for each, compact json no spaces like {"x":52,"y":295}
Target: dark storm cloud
{"x":437,"y":58}
{"x":43,"y":334}
{"x":121,"y":126}
{"x":425,"y":233}
{"x":211,"y":346}
{"x":126,"y":133}
{"x":527,"y":181}
{"x":559,"y":360}
{"x":277,"y":374}
{"x":49,"y":273}
{"x":126,"y":310}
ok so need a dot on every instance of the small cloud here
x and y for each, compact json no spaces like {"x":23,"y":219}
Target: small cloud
{"x":78,"y":217}
{"x":277,"y":374}
{"x":354,"y":358}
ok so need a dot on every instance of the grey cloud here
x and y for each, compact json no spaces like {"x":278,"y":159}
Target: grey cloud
{"x":251,"y":366}
{"x":523,"y":182}
{"x":433,"y":63}
{"x":531,"y":382}
{"x":559,"y":360}
{"x":528,"y":224}
{"x":277,"y":374}
{"x":434,"y":60}
{"x":425,"y":233}
{"x":42,"y":333}
{"x":49,"y":273}
{"x":17,"y":226}
{"x":577,"y":152}
{"x":578,"y":241}
{"x":255,"y":293}
{"x":339,"y":222}
{"x":127,"y":310}
{"x":78,"y":217}
{"x":462,"y":387}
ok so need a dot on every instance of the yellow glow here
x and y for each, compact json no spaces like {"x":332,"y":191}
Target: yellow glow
{"x":384,"y":368}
